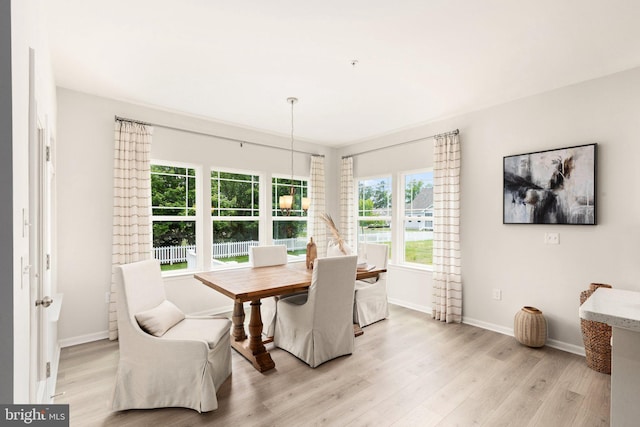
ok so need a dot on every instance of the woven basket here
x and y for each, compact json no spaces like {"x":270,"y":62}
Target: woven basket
{"x":596,"y":337}
{"x":530,"y":327}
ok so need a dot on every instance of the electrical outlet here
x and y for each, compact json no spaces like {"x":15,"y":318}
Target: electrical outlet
{"x":497,"y":294}
{"x":552,"y":238}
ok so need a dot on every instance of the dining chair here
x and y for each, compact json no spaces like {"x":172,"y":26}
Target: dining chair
{"x":167,"y":359}
{"x":318,"y":326}
{"x":265,"y":256}
{"x":370,"y":301}
{"x":334,"y":250}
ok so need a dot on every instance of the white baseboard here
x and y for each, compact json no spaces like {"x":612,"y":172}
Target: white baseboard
{"x":54,"y":373}
{"x":416,"y":307}
{"x":213,"y":312}
{"x":560,"y":345}
{"x":82,"y":339}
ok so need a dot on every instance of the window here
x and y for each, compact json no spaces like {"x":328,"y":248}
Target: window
{"x":290,"y":230}
{"x":173,"y":210}
{"x":418,"y":218}
{"x":235,"y":214}
{"x":374,"y":210}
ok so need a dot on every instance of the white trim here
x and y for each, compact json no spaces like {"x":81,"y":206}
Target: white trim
{"x":213,"y":312}
{"x":82,"y":339}
{"x":410,"y":267}
{"x":560,"y":345}
{"x":55,"y":364}
{"x":416,"y":307}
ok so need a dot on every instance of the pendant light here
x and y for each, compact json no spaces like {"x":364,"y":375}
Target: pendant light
{"x":286,"y":202}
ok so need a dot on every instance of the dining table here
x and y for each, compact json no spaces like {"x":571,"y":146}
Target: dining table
{"x":251,"y":284}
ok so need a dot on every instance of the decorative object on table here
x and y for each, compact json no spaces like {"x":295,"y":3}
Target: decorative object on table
{"x":312,"y":253}
{"x":551,"y":187}
{"x":596,"y":337}
{"x":337,"y":246}
{"x":530,"y":327}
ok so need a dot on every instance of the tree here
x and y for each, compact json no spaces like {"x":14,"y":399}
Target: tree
{"x":413,"y":188}
{"x":173,"y":193}
{"x":381,"y":195}
{"x":234,"y":195}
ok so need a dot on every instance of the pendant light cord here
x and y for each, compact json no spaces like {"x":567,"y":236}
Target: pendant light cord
{"x":292,"y":100}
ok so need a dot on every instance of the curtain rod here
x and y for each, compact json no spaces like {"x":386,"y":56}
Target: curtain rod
{"x":195,"y":132}
{"x":453,"y":132}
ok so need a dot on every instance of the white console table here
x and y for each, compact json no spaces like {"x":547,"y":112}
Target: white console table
{"x":621,"y":310}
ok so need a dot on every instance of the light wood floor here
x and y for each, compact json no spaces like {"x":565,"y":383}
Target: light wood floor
{"x":408,"y":370}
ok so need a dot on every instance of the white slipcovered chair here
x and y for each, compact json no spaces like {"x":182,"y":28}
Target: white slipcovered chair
{"x":370,"y":302}
{"x":167,"y":359}
{"x":318,"y":326}
{"x":265,"y":256}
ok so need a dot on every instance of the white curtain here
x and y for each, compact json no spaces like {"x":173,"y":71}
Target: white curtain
{"x":447,"y":279}
{"x":132,"y":232}
{"x":315,"y":227}
{"x":347,"y":202}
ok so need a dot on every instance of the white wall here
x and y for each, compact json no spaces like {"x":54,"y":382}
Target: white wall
{"x":514,"y":258}
{"x":85,"y":179}
{"x":26,"y":32}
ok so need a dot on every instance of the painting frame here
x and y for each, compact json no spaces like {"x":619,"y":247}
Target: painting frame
{"x":551,"y":187}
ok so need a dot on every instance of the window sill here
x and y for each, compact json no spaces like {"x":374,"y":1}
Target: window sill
{"x":178,"y":274}
{"x":412,"y":267}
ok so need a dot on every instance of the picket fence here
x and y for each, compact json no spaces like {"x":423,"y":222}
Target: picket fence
{"x":177,"y":254}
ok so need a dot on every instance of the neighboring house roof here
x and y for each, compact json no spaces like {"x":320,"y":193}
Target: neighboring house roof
{"x":423,"y":200}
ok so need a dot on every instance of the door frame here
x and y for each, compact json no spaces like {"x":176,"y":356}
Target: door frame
{"x":40,"y":245}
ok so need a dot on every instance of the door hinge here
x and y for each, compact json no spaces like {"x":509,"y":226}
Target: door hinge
{"x":48,"y":153}
{"x":48,"y":262}
{"x":48,"y":369}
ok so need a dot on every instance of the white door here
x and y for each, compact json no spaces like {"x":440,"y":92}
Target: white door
{"x":40,"y":176}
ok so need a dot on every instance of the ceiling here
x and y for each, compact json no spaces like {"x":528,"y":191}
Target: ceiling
{"x":417,"y":60}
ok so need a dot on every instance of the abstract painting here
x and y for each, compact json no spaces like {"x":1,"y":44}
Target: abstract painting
{"x":551,"y":187}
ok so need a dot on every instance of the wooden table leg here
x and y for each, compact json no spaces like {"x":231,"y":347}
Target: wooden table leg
{"x":253,"y":349}
{"x":238,"y":322}
{"x":357,"y":330}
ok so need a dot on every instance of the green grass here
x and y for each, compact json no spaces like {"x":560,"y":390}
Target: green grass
{"x":176,"y":266}
{"x":420,"y":252}
{"x":238,"y":259}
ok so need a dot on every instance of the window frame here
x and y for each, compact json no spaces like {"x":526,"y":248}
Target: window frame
{"x":388,"y":218}
{"x":274,"y":208}
{"x":403,"y":218}
{"x":196,"y":218}
{"x":211,"y":218}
